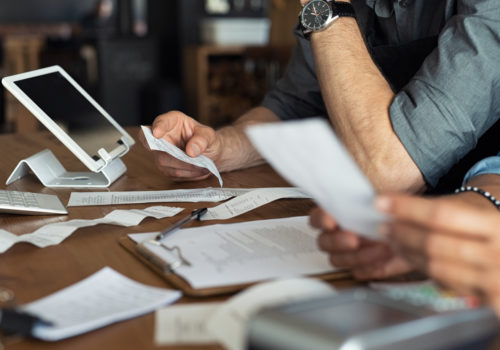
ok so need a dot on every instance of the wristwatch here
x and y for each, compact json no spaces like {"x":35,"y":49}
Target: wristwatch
{"x":317,"y":15}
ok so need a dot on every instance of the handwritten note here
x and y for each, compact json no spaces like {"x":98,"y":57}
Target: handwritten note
{"x":101,"y":299}
{"x":164,"y":146}
{"x":53,"y":234}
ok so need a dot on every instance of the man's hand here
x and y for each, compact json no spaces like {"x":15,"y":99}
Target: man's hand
{"x":189,"y":135}
{"x":453,"y":241}
{"x":366,"y":259}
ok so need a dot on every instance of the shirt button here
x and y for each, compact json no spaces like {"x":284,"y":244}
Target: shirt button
{"x":404,"y":3}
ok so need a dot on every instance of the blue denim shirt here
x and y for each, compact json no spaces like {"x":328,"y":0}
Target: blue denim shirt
{"x":490,"y":165}
{"x":449,"y":103}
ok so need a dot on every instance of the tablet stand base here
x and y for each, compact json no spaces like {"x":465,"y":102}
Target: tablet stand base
{"x":51,"y":173}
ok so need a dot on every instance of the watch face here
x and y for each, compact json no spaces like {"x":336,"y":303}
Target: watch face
{"x":315,"y":14}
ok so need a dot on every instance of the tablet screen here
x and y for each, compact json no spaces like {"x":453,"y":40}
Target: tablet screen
{"x":64,"y":104}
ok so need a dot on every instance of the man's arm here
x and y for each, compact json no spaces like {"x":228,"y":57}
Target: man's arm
{"x":236,"y":151}
{"x":358,"y":97}
{"x":228,"y":147}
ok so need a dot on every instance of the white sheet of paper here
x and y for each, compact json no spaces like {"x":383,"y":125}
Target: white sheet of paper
{"x":82,"y":199}
{"x":229,"y":322}
{"x":184,"y":324}
{"x":309,"y":155}
{"x":53,"y":234}
{"x":164,"y":146}
{"x":223,"y":255}
{"x":101,"y":299}
{"x":250,"y":201}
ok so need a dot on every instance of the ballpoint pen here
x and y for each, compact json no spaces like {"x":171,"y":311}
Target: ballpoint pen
{"x":195,"y":215}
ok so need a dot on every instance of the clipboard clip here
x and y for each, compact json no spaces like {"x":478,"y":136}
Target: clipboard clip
{"x":159,"y":239}
{"x":165,"y":266}
{"x":182,"y":260}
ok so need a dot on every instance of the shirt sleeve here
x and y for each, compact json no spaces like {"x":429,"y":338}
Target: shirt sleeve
{"x":490,"y":165}
{"x":455,"y":96}
{"x":297,"y":94}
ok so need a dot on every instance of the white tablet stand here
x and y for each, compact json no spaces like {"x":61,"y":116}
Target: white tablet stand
{"x":51,"y":173}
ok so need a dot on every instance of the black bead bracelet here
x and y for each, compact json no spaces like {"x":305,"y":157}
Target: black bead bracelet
{"x":483,"y":193}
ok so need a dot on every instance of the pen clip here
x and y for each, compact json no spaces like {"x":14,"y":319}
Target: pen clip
{"x":195,"y":215}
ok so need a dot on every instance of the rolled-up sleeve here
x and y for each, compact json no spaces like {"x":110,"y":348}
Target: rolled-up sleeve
{"x":455,"y":96}
{"x":297,"y":94}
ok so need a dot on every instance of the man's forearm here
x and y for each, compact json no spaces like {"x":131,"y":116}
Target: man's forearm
{"x":358,"y":97}
{"x":236,"y":150}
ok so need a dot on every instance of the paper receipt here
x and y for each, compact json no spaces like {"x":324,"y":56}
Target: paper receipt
{"x":164,"y":146}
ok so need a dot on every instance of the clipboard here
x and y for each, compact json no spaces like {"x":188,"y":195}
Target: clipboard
{"x":167,"y":272}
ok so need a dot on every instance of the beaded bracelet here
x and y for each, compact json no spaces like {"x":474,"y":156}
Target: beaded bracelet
{"x":483,"y":193}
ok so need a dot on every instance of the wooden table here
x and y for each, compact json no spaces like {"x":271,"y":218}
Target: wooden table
{"x":32,"y":272}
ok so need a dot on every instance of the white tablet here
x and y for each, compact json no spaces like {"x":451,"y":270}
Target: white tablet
{"x":69,"y":112}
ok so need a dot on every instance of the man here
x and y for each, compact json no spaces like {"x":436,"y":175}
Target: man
{"x":453,"y":238}
{"x":409,"y":87}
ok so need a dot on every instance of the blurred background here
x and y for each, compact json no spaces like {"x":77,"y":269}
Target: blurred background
{"x":213,"y":59}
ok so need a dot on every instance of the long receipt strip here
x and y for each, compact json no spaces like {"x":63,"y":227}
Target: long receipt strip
{"x":310,"y":156}
{"x":164,"y":146}
{"x":229,"y":254}
{"x":250,"y":201}
{"x":53,"y":234}
{"x":82,"y":199}
{"x":101,"y":299}
{"x":225,"y":323}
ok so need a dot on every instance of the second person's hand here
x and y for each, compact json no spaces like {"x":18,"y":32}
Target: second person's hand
{"x":366,"y":259}
{"x":454,"y":242}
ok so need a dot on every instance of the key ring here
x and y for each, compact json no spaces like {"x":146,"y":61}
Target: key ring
{"x":7,"y":299}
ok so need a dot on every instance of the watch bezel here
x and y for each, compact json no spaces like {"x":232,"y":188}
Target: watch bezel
{"x":331,"y":17}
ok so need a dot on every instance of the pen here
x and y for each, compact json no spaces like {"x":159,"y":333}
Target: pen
{"x":19,"y":322}
{"x":195,"y":215}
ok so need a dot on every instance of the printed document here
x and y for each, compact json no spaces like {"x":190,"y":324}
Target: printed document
{"x":309,"y":155}
{"x":164,"y":146}
{"x":229,"y":254}
{"x":53,"y":234}
{"x":101,"y":299}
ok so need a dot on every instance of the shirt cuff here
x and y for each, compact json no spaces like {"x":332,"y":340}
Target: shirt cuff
{"x":490,"y":165}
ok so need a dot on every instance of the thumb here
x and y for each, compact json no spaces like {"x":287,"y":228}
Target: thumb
{"x":203,"y":137}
